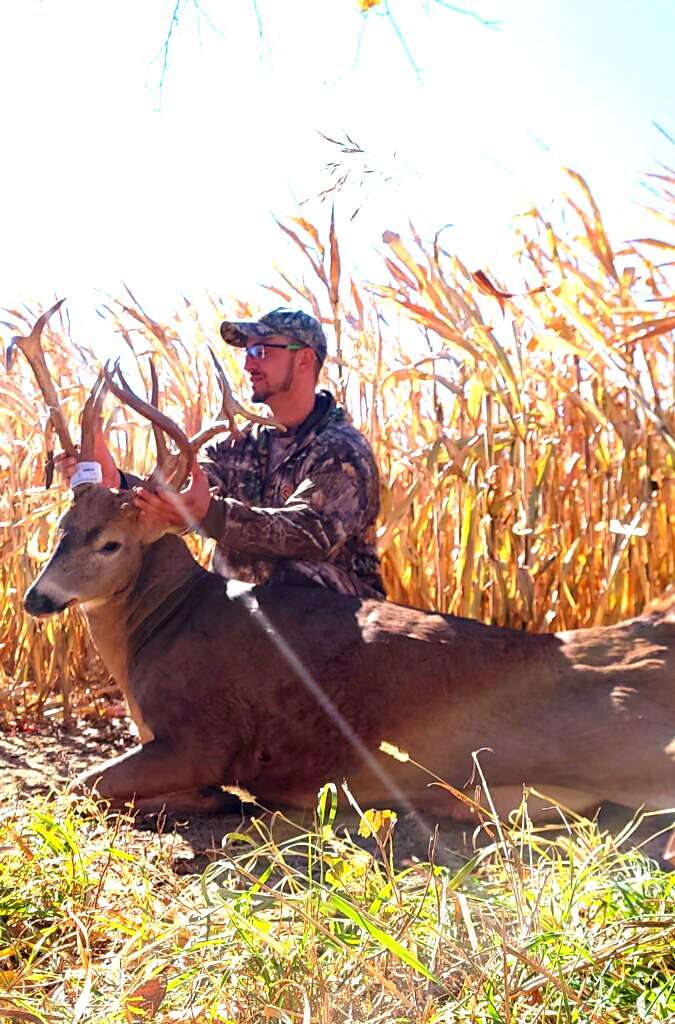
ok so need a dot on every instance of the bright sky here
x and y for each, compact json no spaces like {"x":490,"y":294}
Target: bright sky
{"x":105,"y":178}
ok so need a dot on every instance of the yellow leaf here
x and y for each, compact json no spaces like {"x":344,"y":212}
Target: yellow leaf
{"x":556,"y":343}
{"x":474,"y":396}
{"x":377,"y":823}
{"x":20,"y":842}
{"x":334,"y":289}
{"x":365,"y":5}
{"x":311,"y":230}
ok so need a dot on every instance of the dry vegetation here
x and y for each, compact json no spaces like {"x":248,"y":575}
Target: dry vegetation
{"x":527,"y":449}
{"x":288,"y":924}
{"x":526,"y":442}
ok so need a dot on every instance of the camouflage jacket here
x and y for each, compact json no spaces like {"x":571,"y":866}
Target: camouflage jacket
{"x":297,"y":508}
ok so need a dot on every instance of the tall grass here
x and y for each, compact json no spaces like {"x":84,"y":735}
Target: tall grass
{"x":293,"y":925}
{"x":526,"y":441}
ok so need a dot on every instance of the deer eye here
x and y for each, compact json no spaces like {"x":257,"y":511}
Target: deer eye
{"x":110,"y":547}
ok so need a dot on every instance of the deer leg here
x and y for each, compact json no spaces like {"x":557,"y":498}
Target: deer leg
{"x":154,"y":770}
{"x":207,"y":800}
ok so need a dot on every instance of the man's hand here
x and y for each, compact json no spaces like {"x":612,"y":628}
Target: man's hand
{"x":65,"y":464}
{"x":168,"y":508}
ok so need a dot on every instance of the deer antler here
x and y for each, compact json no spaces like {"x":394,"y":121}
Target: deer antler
{"x":31,"y":347}
{"x":229,"y":409}
{"x":170,"y":470}
{"x":90,"y":418}
{"x":162,"y":450}
{"x":173,"y":470}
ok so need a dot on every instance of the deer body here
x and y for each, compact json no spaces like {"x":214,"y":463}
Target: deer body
{"x":278,"y":690}
{"x":588,"y":714}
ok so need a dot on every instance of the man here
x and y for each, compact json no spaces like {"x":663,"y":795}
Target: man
{"x":295,"y":506}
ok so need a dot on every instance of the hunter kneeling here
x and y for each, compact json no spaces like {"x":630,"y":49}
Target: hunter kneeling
{"x":293,"y":506}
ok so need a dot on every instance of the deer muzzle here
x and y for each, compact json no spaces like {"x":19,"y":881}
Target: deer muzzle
{"x":41,"y":601}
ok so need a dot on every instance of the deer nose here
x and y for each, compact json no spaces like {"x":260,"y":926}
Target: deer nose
{"x":39,"y":604}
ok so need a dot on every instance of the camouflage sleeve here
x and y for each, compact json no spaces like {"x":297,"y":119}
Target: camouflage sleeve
{"x":333,"y":503}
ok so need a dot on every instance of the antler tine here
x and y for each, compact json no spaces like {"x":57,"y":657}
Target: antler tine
{"x":162,"y":450}
{"x":229,"y":408}
{"x":31,"y":347}
{"x":90,"y":417}
{"x":149,"y":412}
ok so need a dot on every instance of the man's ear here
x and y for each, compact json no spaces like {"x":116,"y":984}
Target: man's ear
{"x":309,"y":362}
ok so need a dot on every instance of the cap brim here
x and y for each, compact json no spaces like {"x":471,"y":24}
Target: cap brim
{"x":237,"y":332}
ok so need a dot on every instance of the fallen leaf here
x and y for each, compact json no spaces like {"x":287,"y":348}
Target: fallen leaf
{"x":143,"y":1002}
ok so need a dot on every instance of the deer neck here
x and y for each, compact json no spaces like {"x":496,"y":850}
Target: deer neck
{"x":166,"y":567}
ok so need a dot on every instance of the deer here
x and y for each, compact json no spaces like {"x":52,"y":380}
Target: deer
{"x":276,"y":690}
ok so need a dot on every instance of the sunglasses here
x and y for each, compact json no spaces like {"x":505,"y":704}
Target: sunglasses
{"x":258,"y":350}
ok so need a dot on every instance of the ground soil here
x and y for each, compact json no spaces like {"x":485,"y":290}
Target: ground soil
{"x":40,"y":757}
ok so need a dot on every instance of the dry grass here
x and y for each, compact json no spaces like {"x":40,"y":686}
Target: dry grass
{"x":526,"y":442}
{"x":527,"y":451}
{"x":293,"y":925}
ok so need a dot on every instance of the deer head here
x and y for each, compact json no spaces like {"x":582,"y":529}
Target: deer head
{"x":102,"y":537}
{"x":98,"y":553}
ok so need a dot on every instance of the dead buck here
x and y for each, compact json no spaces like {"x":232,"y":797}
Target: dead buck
{"x":280,"y":689}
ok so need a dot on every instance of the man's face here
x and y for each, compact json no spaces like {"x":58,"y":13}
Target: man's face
{"x":272,"y":371}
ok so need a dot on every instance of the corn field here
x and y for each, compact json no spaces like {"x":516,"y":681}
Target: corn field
{"x":526,"y":441}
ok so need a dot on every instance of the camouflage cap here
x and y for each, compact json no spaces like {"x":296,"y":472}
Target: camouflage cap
{"x":291,"y":323}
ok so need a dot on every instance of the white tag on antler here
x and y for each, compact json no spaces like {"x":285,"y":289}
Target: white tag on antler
{"x":86,"y":473}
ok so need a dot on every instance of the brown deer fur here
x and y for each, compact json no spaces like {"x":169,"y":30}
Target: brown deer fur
{"x":587,"y":715}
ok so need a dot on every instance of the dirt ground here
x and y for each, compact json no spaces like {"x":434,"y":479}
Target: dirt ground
{"x":44,"y":757}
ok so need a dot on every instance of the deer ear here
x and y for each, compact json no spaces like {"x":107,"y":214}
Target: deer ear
{"x":131,"y":516}
{"x":82,"y":489}
{"x":145,"y":528}
{"x":149,"y":531}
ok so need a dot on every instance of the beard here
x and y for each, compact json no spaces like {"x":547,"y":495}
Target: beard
{"x":261,"y":391}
